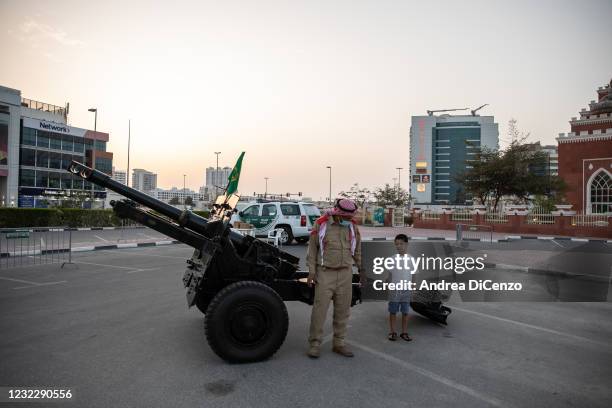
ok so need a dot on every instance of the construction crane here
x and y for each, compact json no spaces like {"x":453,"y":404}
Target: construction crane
{"x":478,"y":108}
{"x":431,"y":112}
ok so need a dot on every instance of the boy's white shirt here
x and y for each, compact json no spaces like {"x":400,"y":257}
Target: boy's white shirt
{"x":397,"y":276}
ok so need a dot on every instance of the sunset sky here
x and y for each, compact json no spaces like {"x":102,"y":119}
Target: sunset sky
{"x":300,"y":85}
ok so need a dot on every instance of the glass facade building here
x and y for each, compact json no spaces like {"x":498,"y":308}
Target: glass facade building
{"x":453,"y":146}
{"x":441,"y":149}
{"x":44,"y":157}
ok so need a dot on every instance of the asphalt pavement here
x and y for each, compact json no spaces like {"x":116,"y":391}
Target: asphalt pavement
{"x":115,"y":329}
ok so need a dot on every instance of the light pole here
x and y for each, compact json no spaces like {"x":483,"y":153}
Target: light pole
{"x":93,"y":151}
{"x":266,"y":193}
{"x":184,"y":194}
{"x":216,"y":178}
{"x":399,"y":181}
{"x":330,"y":197}
{"x":128,"y":163}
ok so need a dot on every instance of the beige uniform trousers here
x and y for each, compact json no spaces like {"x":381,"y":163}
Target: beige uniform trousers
{"x":336,"y":285}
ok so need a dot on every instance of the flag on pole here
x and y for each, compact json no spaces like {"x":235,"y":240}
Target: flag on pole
{"x":232,"y":180}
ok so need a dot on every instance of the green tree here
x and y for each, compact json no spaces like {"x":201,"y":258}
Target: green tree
{"x":188,"y":200}
{"x":360,"y":195}
{"x":518,"y":171}
{"x":173,"y":201}
{"x":388,"y":195}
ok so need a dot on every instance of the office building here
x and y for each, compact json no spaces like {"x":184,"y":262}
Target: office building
{"x":143,"y":180}
{"x":180,"y":194}
{"x":217,"y":177}
{"x":120,"y":176}
{"x":36,"y":147}
{"x":441,"y":148}
{"x":551,"y":166}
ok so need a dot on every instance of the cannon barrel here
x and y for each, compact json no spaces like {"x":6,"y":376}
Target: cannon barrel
{"x":185,"y":218}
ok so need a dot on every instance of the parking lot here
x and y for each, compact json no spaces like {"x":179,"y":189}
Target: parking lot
{"x":115,"y":329}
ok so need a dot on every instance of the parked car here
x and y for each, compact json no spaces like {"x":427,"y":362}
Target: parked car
{"x":295,"y":218}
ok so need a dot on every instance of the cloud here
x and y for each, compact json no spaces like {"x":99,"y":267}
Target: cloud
{"x":35,"y":33}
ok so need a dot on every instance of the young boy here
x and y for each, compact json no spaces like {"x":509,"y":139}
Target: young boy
{"x":399,"y":300}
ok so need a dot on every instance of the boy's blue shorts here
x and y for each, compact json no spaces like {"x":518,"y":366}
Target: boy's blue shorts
{"x":394,"y":307}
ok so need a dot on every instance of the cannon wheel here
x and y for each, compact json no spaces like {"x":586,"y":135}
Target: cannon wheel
{"x":246,"y":321}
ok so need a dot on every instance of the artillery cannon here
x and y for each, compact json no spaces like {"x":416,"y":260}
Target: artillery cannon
{"x":239,"y":282}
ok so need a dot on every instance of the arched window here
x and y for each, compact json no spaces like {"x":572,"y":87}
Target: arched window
{"x":601,"y":193}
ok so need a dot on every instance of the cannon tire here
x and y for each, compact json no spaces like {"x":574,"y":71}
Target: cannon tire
{"x":245,"y":322}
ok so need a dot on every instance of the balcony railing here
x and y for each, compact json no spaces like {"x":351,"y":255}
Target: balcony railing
{"x":42,"y":106}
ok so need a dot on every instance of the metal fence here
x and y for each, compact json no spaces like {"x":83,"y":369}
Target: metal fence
{"x":430,"y":215}
{"x":461,"y":215}
{"x":398,"y":217}
{"x":537,"y":215}
{"x":498,"y":217}
{"x":467,"y":232}
{"x":33,"y":246}
{"x":590,"y":220}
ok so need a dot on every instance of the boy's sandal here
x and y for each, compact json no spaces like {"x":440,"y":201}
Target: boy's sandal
{"x":393,"y":336}
{"x":406,"y":337}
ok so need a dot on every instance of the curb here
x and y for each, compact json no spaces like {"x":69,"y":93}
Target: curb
{"x":123,"y":246}
{"x":44,"y":229}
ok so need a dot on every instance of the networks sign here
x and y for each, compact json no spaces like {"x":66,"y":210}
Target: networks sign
{"x":53,"y":127}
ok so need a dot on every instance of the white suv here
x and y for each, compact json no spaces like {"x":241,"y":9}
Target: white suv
{"x":295,"y":218}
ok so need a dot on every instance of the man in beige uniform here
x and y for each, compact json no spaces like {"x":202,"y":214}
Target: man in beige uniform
{"x":334,"y":245}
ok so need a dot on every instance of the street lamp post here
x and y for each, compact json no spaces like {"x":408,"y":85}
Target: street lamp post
{"x":330,"y":196}
{"x":184,"y":193}
{"x":93,"y":151}
{"x":266,"y":192}
{"x":399,"y":181}
{"x":216,"y":178}
{"x":128,"y":158}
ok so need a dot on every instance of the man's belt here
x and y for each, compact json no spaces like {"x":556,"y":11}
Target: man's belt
{"x":336,"y":268}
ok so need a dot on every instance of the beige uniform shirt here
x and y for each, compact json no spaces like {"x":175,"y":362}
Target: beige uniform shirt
{"x":337,"y":251}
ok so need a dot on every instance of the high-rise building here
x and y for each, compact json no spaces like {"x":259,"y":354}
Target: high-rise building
{"x":551,"y":166}
{"x":36,"y":147}
{"x":441,"y":148}
{"x":553,"y":159}
{"x":120,"y":176}
{"x":585,"y":156}
{"x":217,"y":177}
{"x":143,"y":180}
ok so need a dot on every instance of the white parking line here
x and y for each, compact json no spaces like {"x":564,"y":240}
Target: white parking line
{"x":30,"y":283}
{"x":144,"y":270}
{"x":19,"y":280}
{"x":557,"y":243}
{"x":40,"y":284}
{"x":101,"y":239}
{"x":158,"y":256}
{"x":129,"y":269}
{"x":533,"y":326}
{"x":431,"y":375}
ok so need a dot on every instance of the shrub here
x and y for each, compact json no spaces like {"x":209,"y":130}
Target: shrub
{"x":56,"y":217}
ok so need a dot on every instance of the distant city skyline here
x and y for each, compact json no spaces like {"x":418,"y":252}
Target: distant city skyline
{"x":300,"y":86}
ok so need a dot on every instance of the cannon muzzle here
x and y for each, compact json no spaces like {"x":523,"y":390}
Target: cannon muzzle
{"x":184,"y":218}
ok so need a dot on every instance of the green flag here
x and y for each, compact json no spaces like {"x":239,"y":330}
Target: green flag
{"x":232,"y":180}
